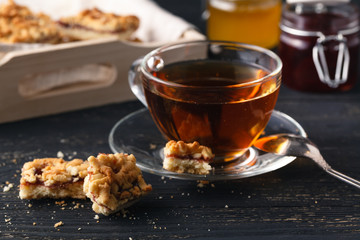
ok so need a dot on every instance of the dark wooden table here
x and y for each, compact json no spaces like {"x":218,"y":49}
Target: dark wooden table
{"x":298,"y":201}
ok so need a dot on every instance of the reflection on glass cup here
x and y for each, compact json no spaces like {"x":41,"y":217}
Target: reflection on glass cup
{"x":247,"y":21}
{"x":220,"y":94}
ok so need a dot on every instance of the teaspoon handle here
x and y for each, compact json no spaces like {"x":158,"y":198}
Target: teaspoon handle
{"x":343,"y":177}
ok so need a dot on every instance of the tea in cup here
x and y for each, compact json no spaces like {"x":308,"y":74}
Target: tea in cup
{"x":220,"y":94}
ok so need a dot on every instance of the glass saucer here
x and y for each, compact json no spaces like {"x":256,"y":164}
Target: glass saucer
{"x":137,"y":134}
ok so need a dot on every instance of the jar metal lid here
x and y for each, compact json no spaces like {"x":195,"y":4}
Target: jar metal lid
{"x":317,"y":1}
{"x":312,"y":17}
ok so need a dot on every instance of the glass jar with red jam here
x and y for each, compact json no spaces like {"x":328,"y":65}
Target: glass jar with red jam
{"x":319,"y":45}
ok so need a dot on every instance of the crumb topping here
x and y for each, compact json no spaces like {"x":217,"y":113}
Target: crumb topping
{"x":100,"y":21}
{"x":113,"y":180}
{"x":184,"y":150}
{"x":19,"y":25}
{"x":53,"y":171}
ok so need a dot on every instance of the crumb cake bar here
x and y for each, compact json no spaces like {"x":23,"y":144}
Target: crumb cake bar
{"x":53,"y":178}
{"x":19,"y":25}
{"x":114,"y":182}
{"x":183,"y":157}
{"x":93,"y":23}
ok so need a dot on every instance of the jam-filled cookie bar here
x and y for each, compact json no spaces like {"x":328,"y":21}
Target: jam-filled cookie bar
{"x":18,"y":24}
{"x":184,"y":157}
{"x":114,"y":182}
{"x":94,"y":23}
{"x":53,"y":178}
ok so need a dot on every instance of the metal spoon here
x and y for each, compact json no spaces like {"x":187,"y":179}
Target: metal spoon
{"x":297,"y":146}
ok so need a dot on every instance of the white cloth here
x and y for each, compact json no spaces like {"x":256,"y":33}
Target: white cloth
{"x":156,"y":24}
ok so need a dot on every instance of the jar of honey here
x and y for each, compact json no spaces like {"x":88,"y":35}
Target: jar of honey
{"x":319,"y":45}
{"x":247,"y":21}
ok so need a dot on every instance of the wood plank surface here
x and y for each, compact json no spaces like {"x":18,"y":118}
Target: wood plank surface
{"x":298,"y":200}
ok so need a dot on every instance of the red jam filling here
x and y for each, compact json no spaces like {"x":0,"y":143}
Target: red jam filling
{"x":78,"y":26}
{"x":189,"y":157}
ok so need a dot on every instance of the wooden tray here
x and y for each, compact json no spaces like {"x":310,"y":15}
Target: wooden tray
{"x":18,"y":68}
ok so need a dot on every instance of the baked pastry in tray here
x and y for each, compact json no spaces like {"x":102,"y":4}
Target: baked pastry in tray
{"x":93,"y":23}
{"x":114,"y":182}
{"x":20,"y":25}
{"x":53,"y":178}
{"x":184,"y":157}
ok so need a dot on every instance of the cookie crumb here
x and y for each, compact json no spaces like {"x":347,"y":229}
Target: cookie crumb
{"x":8,"y":187}
{"x":60,"y":154}
{"x":61,"y":203}
{"x":34,"y":223}
{"x":58,"y":224}
{"x":96,"y":216}
{"x":200,"y":185}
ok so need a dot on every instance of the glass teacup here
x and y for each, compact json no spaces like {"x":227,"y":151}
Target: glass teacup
{"x":218,"y":93}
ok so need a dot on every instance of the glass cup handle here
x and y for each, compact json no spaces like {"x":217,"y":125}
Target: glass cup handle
{"x":135,"y":81}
